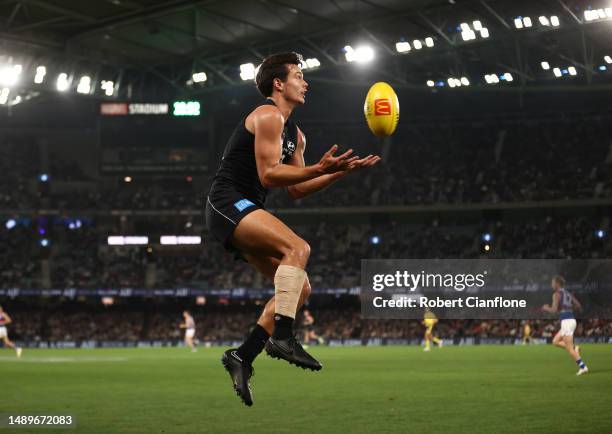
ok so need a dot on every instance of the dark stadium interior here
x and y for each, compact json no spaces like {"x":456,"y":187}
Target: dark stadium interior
{"x":527,"y":162}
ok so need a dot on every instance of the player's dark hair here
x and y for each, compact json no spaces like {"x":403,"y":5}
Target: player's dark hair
{"x":275,"y":66}
{"x":560,"y":280}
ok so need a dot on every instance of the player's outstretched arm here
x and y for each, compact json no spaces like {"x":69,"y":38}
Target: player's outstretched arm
{"x":319,"y":183}
{"x":268,"y":126}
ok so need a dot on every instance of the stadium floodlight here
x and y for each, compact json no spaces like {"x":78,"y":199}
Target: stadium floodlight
{"x":127,"y":179}
{"x":429,"y":41}
{"x":600,"y":233}
{"x":544,"y":20}
{"x":486,"y":237}
{"x":43,"y":177}
{"x":588,"y":15}
{"x":508,"y":77}
{"x":4,"y":94}
{"x":572,"y":70}
{"x":247,"y":71}
{"x":487,"y":247}
{"x":9,"y":75}
{"x":361,"y":54}
{"x":601,"y":13}
{"x":477,"y":25}
{"x":312,"y":63}
{"x":375,"y":239}
{"x":554,"y":20}
{"x":402,"y":47}
{"x":518,"y":23}
{"x":608,"y":59}
{"x":545,"y":65}
{"x":608,"y":12}
{"x":44,"y":242}
{"x":451,"y":82}
{"x":557,"y":72}
{"x":84,"y":85}
{"x":527,"y":22}
{"x":41,"y":71}
{"x":417,"y":44}
{"x":10,"y":224}
{"x":108,"y":87}
{"x":468,"y":35}
{"x":430,"y":83}
{"x":62,"y":82}
{"x":484,"y":32}
{"x":464,"y":81}
{"x":199,"y":77}
{"x":602,"y":67}
{"x":465,"y":27}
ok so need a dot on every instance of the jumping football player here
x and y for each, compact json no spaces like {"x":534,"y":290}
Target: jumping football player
{"x":266,"y":150}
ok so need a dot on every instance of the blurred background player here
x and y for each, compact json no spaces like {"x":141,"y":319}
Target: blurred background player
{"x":429,"y":321}
{"x":309,"y":331}
{"x":5,"y":319}
{"x":190,"y":329}
{"x":526,"y":333}
{"x":564,"y":303}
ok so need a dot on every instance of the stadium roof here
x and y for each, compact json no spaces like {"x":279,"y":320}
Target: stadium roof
{"x":153,"y":43}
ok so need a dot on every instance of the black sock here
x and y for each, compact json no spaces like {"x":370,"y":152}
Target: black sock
{"x":283,"y":327}
{"x":254,"y":344}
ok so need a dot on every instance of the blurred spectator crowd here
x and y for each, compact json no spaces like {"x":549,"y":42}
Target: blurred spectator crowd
{"x":81,"y":258}
{"x":444,"y":163}
{"x":132,"y":324}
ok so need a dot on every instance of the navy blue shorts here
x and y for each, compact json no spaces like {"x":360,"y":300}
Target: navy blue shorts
{"x":225,"y":207}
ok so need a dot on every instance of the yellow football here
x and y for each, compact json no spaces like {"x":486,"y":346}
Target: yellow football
{"x":381,"y":109}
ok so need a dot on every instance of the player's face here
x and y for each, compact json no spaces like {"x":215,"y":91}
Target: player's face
{"x":295,"y":87}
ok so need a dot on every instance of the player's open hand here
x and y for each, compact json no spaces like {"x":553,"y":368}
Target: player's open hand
{"x":330,"y":163}
{"x":361,"y":163}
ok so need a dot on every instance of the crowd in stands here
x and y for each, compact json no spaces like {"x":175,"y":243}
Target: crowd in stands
{"x":423,"y":164}
{"x":36,"y":323}
{"x":81,"y":258}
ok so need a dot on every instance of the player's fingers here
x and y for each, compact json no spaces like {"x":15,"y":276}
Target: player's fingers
{"x":331,"y":150}
{"x":345,"y":155}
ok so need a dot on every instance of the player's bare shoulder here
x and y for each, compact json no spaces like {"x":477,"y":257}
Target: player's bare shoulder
{"x":264,"y":115}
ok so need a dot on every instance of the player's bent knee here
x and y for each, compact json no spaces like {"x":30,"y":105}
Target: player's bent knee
{"x":300,"y":249}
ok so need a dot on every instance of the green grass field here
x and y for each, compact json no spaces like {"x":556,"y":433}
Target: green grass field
{"x":487,"y":389}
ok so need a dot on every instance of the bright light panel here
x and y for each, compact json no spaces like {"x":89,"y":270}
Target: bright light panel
{"x":62,"y":82}
{"x":402,"y":47}
{"x":247,"y":71}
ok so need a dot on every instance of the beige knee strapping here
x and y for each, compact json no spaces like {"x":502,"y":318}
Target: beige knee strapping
{"x":288,"y":283}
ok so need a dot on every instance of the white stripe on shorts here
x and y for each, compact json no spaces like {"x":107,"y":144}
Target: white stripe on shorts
{"x":208,"y":199}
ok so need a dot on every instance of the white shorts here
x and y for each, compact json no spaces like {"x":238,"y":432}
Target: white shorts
{"x":3,"y":332}
{"x":189,"y":333}
{"x":567,"y":327}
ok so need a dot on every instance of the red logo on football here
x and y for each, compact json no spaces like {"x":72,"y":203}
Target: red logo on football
{"x":382,"y":107}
